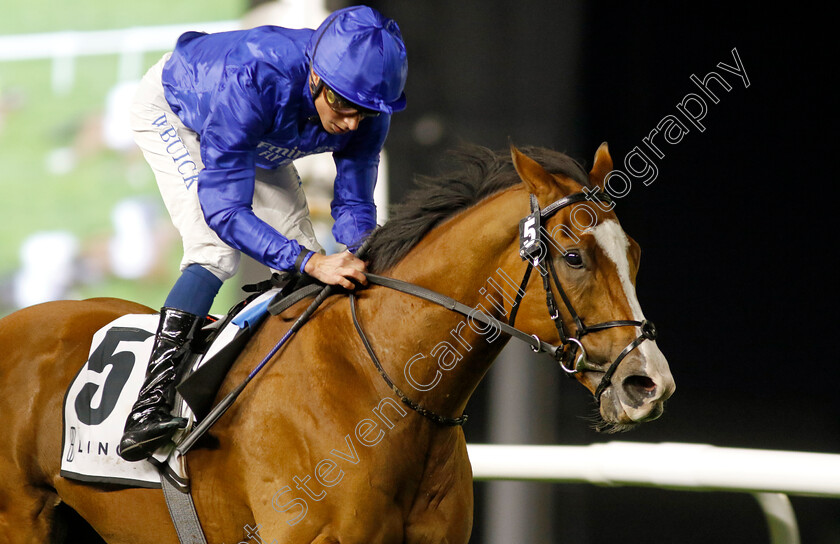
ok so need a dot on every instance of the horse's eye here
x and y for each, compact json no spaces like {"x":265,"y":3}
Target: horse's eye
{"x":574,"y":259}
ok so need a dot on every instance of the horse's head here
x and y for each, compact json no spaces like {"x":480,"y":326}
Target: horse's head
{"x":589,"y":265}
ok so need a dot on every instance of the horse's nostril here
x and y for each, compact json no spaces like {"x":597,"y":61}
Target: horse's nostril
{"x":639,"y":387}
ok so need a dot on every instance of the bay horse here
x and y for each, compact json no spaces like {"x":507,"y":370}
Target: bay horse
{"x":319,"y":448}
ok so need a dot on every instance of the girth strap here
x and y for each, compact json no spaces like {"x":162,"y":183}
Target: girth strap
{"x":182,"y":511}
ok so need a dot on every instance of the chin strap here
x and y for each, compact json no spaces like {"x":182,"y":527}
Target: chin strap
{"x":315,"y":88}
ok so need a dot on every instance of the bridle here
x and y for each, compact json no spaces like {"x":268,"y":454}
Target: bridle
{"x":531,"y":248}
{"x":571,"y":353}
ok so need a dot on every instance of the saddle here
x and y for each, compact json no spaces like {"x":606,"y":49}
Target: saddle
{"x":199,"y":388}
{"x":99,"y":398}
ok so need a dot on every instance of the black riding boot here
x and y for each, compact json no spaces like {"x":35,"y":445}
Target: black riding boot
{"x":150,"y":423}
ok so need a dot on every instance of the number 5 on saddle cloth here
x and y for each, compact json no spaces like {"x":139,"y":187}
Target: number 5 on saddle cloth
{"x":98,"y":399}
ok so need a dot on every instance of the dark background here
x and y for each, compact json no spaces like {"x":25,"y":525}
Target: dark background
{"x":737,"y":232}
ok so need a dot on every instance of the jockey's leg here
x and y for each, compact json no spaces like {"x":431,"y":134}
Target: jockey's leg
{"x":151,"y":423}
{"x":173,"y":152}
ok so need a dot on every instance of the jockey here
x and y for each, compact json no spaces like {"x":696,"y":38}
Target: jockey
{"x":220,"y":120}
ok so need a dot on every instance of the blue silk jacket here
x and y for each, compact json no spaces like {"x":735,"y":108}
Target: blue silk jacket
{"x":246,"y":94}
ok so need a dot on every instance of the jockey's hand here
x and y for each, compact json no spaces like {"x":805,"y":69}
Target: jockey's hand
{"x":338,"y":269}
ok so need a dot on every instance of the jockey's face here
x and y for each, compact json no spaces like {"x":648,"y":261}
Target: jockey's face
{"x":337,"y":115}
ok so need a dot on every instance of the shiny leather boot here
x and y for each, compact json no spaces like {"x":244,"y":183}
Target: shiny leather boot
{"x":150,"y":423}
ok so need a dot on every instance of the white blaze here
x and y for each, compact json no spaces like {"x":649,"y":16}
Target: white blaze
{"x":614,"y":243}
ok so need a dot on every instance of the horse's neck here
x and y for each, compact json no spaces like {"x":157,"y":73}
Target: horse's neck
{"x":457,"y":256}
{"x":438,"y":356}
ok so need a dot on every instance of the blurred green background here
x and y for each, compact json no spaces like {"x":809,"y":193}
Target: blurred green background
{"x":60,"y":178}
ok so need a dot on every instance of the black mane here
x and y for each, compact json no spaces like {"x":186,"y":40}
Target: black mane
{"x":480,"y":173}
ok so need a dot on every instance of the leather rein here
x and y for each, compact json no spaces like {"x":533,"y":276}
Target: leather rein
{"x":533,"y":249}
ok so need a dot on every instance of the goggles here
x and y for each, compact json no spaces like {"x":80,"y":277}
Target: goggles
{"x":344,"y":107}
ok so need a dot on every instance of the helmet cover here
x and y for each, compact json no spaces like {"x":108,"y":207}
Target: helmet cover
{"x":360,"y":54}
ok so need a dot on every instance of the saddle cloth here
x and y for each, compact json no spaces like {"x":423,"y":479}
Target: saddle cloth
{"x":100,"y":397}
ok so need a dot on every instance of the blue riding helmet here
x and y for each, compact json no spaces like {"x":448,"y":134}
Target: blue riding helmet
{"x":360,"y":54}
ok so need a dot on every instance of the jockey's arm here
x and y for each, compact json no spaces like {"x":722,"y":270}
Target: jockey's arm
{"x":357,"y":166}
{"x":242,"y":115}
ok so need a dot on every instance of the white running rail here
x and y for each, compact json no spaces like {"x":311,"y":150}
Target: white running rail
{"x":63,"y":48}
{"x":50,"y":45}
{"x":767,"y":474}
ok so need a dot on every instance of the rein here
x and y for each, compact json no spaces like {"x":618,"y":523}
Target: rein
{"x":532,"y":247}
{"x":451,"y":304}
{"x":439,"y":419}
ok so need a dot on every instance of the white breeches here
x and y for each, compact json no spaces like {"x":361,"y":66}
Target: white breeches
{"x":172,"y":150}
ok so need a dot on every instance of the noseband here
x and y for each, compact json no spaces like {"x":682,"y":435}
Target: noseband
{"x":570,"y":353}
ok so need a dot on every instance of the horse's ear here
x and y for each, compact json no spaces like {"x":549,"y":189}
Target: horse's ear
{"x":536,"y":178}
{"x":603,"y":165}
